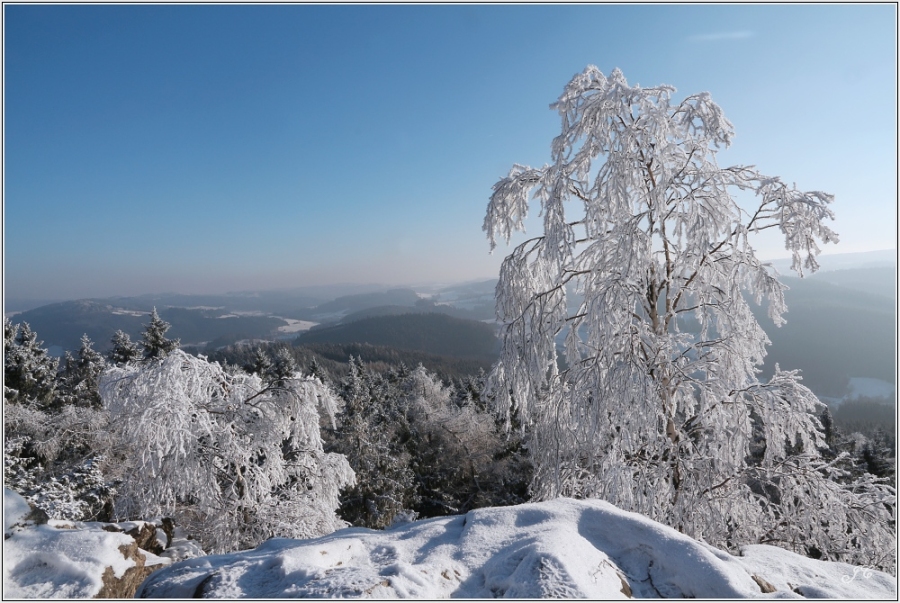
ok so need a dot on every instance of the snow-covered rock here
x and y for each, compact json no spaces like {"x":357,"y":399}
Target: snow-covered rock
{"x":59,"y":559}
{"x":560,"y":549}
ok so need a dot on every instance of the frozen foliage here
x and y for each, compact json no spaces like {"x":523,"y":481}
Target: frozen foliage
{"x":556,"y":549}
{"x":49,"y":457}
{"x":29,"y":371}
{"x":420,"y":447}
{"x":51,"y":427}
{"x":80,"y":492}
{"x":657,"y":406}
{"x":232,"y":460}
{"x":463,"y":458}
{"x":373,"y":427}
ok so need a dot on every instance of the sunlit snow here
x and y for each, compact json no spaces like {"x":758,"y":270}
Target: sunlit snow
{"x":562,"y":548}
{"x":51,"y":562}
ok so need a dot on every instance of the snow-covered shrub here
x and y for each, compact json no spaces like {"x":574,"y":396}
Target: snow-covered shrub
{"x":51,"y":458}
{"x":232,"y":460}
{"x":77,"y":493}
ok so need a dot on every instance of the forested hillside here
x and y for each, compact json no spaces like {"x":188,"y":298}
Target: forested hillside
{"x":63,"y":324}
{"x":832,"y":333}
{"x":432,"y":333}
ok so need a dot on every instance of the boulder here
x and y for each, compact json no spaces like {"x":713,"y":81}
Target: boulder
{"x":125,"y":586}
{"x":145,"y":533}
{"x":46,"y":558}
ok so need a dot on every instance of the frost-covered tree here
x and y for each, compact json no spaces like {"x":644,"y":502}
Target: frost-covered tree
{"x":233,"y":460}
{"x":49,"y":458}
{"x":79,"y":379}
{"x":51,"y":429}
{"x":461,"y":458}
{"x":154,"y":340}
{"x":123,"y":349}
{"x":260,"y":363}
{"x":372,"y":432}
{"x":642,"y":277}
{"x":29,"y":372}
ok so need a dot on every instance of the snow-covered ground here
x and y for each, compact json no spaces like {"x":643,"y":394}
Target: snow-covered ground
{"x":557,"y":549}
{"x":124,"y":312}
{"x":295,"y":326}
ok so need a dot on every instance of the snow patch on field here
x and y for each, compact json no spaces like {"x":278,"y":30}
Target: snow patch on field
{"x":295,"y":326}
{"x":557,"y":549}
{"x":124,"y":312}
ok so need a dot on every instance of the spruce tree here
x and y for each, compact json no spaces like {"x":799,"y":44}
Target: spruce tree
{"x":154,"y":341}
{"x":79,"y":379}
{"x":260,"y":364}
{"x":124,"y":350}
{"x":371,"y":432}
{"x":29,"y":370}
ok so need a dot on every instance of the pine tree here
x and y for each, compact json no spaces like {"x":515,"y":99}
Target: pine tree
{"x":259,"y":364}
{"x":79,"y":380}
{"x":154,"y":341}
{"x":282,"y":368}
{"x":123,"y":349}
{"x":29,"y":370}
{"x":370,"y":436}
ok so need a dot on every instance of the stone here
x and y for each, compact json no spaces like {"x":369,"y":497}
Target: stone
{"x":125,"y":587}
{"x":764,"y":585}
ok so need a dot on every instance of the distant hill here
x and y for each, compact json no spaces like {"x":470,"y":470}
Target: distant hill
{"x":263,"y":302}
{"x":477,"y":297}
{"x":880,"y":280}
{"x":335,"y":357}
{"x":432,"y":333}
{"x":832,"y":333}
{"x":337,"y":309}
{"x":61,"y":325}
{"x":422,"y":306}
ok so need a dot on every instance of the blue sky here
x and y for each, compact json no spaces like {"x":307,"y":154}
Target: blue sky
{"x":220,"y":148}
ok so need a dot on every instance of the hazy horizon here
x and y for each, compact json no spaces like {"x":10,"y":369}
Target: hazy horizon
{"x":17,"y":303}
{"x":216,"y":148}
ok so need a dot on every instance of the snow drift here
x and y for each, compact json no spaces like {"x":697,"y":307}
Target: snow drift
{"x":560,"y":549}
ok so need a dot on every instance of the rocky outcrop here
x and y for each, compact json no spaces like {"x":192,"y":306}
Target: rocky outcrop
{"x":125,"y":586}
{"x":146,"y":533}
{"x":46,"y":558}
{"x":152,"y":537}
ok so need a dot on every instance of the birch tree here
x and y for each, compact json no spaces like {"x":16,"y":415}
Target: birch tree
{"x":629,"y":349}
